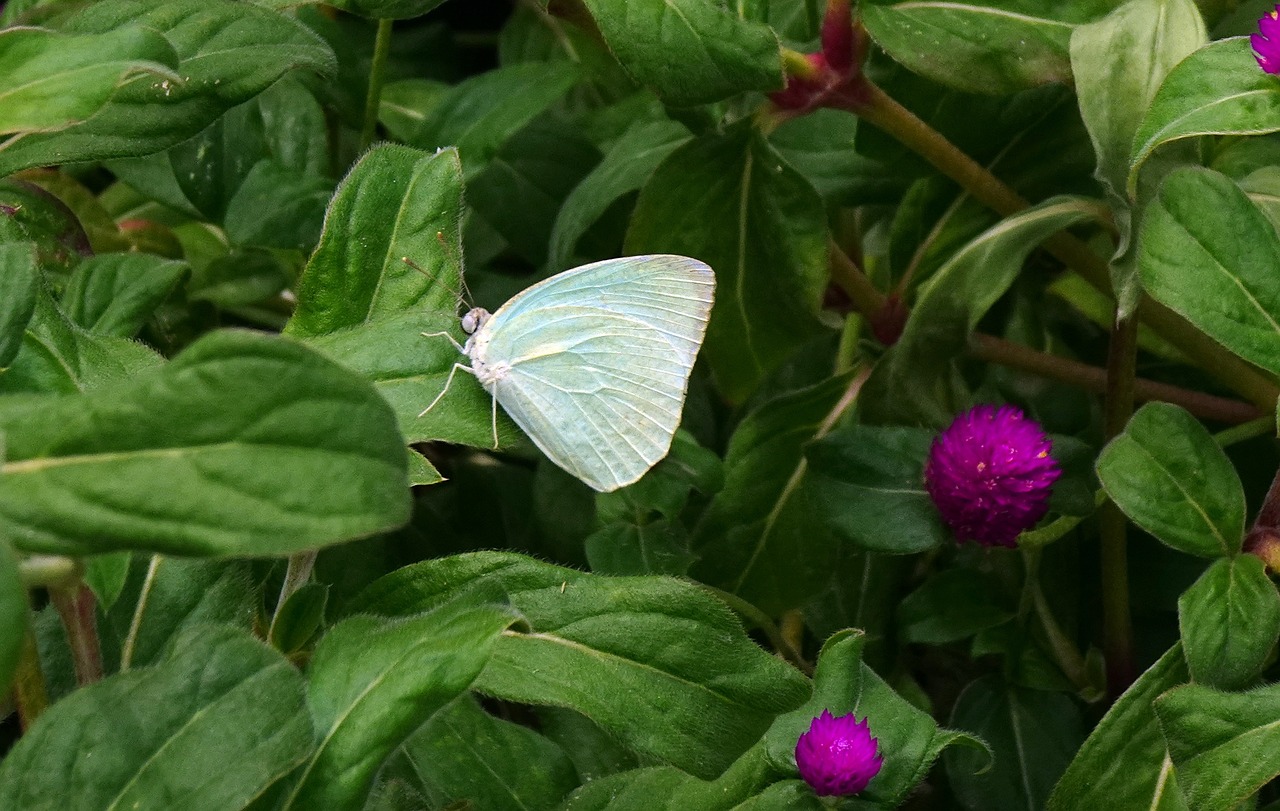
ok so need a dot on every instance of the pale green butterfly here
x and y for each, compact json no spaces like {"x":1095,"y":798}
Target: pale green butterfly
{"x":593,"y":363}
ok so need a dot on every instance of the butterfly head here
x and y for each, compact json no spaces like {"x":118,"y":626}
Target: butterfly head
{"x":474,"y":319}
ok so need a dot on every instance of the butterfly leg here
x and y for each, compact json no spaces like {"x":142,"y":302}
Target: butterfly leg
{"x":495,"y":422}
{"x":447,"y":383}
{"x":452,"y":340}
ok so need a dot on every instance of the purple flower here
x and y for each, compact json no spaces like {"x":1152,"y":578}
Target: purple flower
{"x":1266,"y":43}
{"x":990,"y":474}
{"x":837,"y":756}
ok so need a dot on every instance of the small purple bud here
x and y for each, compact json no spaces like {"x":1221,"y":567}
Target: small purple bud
{"x":990,"y":474}
{"x":1266,"y":43}
{"x":837,"y":756}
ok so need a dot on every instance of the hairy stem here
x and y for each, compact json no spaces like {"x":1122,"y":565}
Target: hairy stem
{"x":77,"y":608}
{"x":377,"y":75}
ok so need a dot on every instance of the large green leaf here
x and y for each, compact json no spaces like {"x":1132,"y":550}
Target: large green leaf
{"x":1118,"y":63}
{"x":1123,"y":762}
{"x":689,"y":51}
{"x":1218,"y":90}
{"x":975,"y":48}
{"x":730,"y":200}
{"x":362,"y":303}
{"x":1033,"y":734}
{"x":1168,"y":475}
{"x":1230,"y":621}
{"x":870,"y":483}
{"x":210,"y":728}
{"x":372,"y":682}
{"x":908,"y":739}
{"x":49,"y":80}
{"x":1224,"y":746}
{"x":1208,"y":253}
{"x":228,"y":52}
{"x":640,"y":656}
{"x":242,"y":445}
{"x":765,"y":536}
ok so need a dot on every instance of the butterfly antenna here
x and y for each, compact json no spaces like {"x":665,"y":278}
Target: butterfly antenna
{"x":463,"y":295}
{"x":457,"y":298}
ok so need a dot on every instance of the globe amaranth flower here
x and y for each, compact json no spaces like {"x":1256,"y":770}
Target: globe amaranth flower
{"x":990,"y":474}
{"x":837,"y":756}
{"x":1266,"y":43}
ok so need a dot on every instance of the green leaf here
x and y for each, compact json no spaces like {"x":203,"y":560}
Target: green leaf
{"x":601,"y":644}
{"x":951,"y":605}
{"x":1218,"y":90}
{"x":397,"y":203}
{"x":228,"y":52}
{"x":299,"y":618}
{"x":60,"y":357}
{"x":360,"y":302}
{"x":215,"y":724}
{"x":730,"y":200}
{"x":299,"y":452}
{"x":909,"y":740}
{"x":1118,"y":63}
{"x":163,"y":598}
{"x":1224,"y":746}
{"x":1168,"y":475}
{"x":908,"y":383}
{"x":764,"y":536}
{"x":870,"y":483}
{"x":106,"y":575}
{"x":478,"y":115}
{"x":373,"y":682}
{"x":1032,"y":734}
{"x":114,"y":294}
{"x":747,"y":784}
{"x":1123,"y":762}
{"x":19,"y":283}
{"x":1206,"y":252}
{"x":1229,"y":622}
{"x":689,"y":51}
{"x":975,"y":48}
{"x":656,"y":547}
{"x":465,"y":754}
{"x":277,"y":207}
{"x":13,"y":610}
{"x":49,"y":80}
{"x":625,"y":168}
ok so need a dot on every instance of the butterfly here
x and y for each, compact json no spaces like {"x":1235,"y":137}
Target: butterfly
{"x":593,"y":363}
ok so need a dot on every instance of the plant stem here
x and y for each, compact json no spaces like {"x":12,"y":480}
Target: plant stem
{"x":77,"y":607}
{"x":1117,"y":625}
{"x":1064,"y":650}
{"x":1094,"y":379}
{"x":28,"y":683}
{"x":1246,"y":430}
{"x":377,"y":75}
{"x":876,"y":107}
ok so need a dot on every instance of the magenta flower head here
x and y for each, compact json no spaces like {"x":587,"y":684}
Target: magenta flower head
{"x":1266,"y":43}
{"x":837,"y":756}
{"x":990,"y":474}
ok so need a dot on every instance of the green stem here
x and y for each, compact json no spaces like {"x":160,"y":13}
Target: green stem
{"x":1248,"y":430}
{"x":1117,"y":624}
{"x":1064,"y":650}
{"x":876,"y":107}
{"x":377,"y":75}
{"x":28,"y":683}
{"x":295,"y":577}
{"x":77,"y":608}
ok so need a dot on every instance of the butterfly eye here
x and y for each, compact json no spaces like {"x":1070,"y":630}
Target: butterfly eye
{"x":470,"y":321}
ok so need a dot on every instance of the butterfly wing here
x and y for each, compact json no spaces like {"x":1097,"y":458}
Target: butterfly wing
{"x":599,"y":360}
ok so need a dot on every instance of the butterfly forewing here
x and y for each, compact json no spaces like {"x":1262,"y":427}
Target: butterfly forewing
{"x":599,"y":361}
